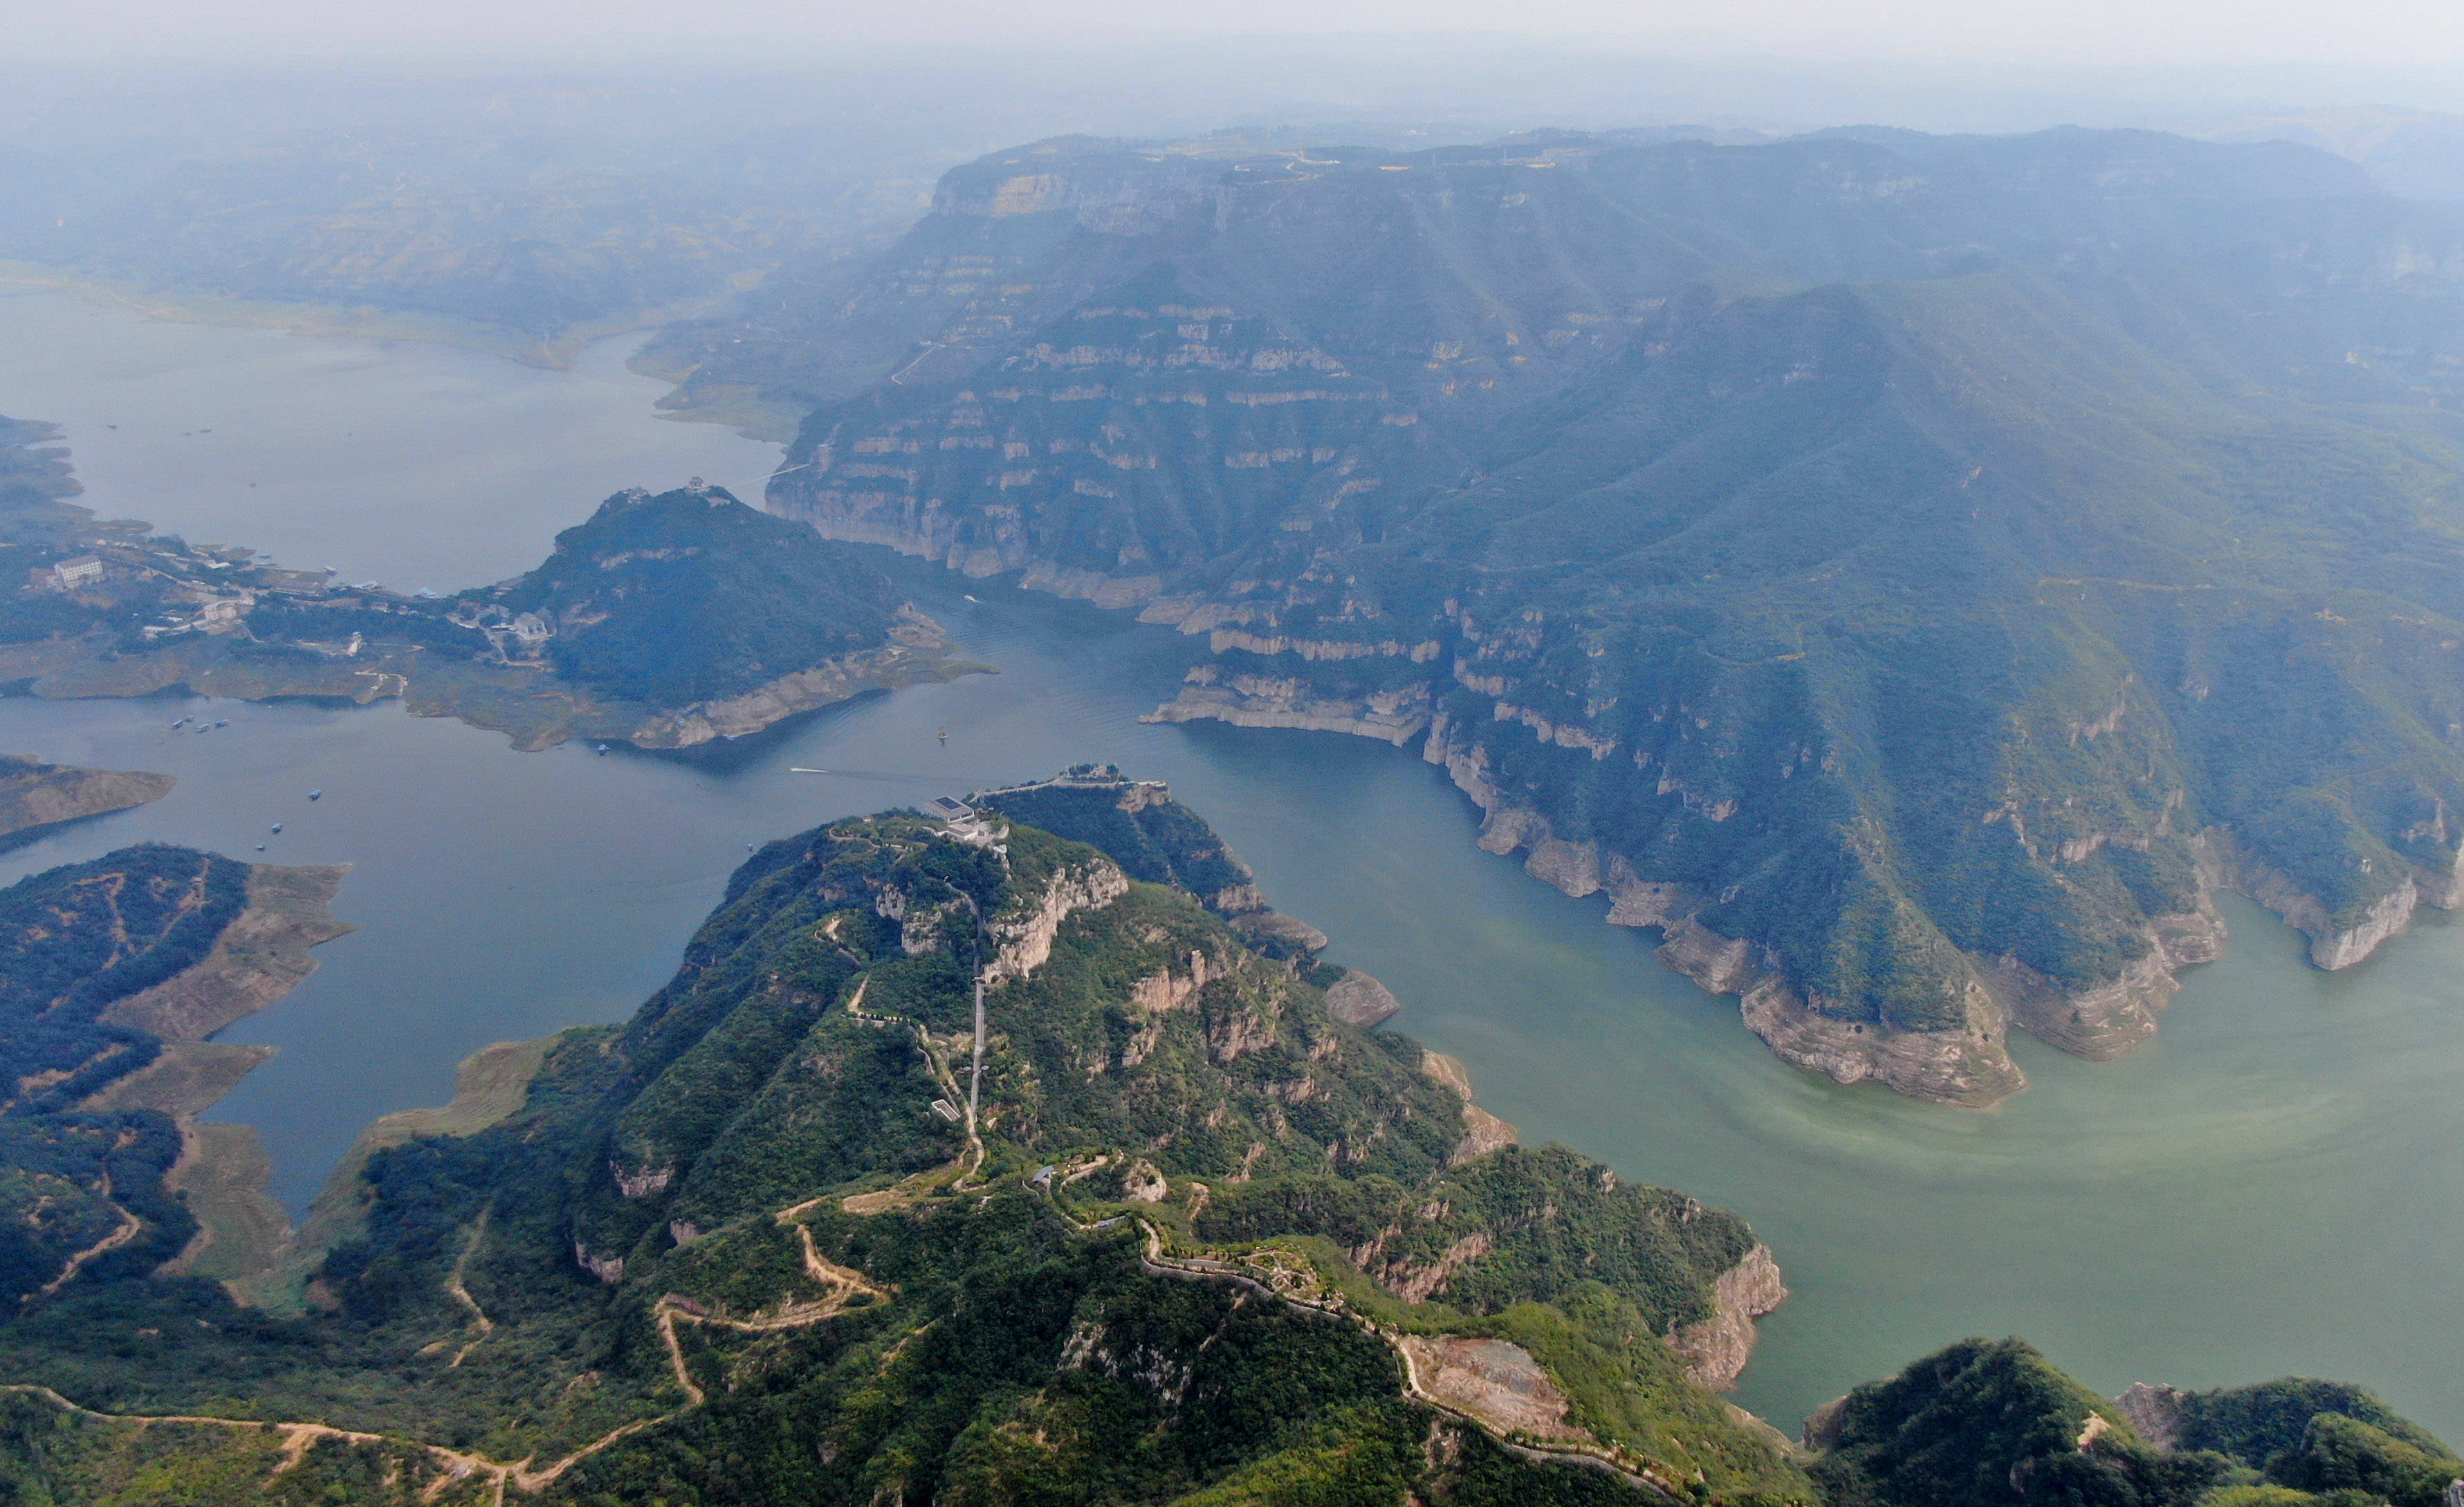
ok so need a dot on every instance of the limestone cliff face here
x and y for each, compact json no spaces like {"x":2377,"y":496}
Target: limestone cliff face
{"x":1715,"y":1349}
{"x":1025,"y":941}
{"x":1246,"y":701}
{"x":2228,"y":864}
{"x":1966,"y":1067}
{"x":2103,"y":1022}
{"x":2155,"y":1411}
{"x":919,"y":652}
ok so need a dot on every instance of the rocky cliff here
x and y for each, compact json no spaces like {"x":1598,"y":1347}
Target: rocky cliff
{"x":1894,"y":625}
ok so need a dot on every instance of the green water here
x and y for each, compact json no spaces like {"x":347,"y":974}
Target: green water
{"x":2273,"y":1185}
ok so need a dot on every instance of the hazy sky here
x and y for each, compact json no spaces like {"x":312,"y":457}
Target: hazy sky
{"x":2392,"y":33}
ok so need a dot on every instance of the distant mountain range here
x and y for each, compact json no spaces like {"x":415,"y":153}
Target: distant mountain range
{"x":1914,"y":571}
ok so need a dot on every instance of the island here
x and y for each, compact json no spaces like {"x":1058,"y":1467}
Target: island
{"x":667,"y":622}
{"x":958,"y":1162}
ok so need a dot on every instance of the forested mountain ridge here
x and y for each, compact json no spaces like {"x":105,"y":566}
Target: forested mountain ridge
{"x":771,"y":1237}
{"x":1192,"y":1239}
{"x":1913,"y":571}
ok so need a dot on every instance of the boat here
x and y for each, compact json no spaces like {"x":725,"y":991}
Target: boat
{"x":181,"y":722}
{"x":315,"y":794}
{"x":945,"y":734}
{"x":260,"y":847}
{"x":222,"y":721}
{"x":602,"y":748}
{"x":277,"y":826}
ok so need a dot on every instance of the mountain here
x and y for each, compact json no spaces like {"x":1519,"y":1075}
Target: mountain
{"x":1914,"y":573}
{"x":1183,"y":1232}
{"x":667,"y":621}
{"x":1151,"y":1223}
{"x":2416,"y":153}
{"x":1986,"y":1423}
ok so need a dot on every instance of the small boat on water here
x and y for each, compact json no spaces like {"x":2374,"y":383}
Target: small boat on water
{"x":945,"y":737}
{"x":602,"y":750}
{"x":315,"y":795}
{"x":260,"y":847}
{"x":222,"y":721}
{"x":277,"y":826}
{"x":181,"y":722}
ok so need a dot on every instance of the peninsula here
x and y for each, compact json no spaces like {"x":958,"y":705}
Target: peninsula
{"x":113,"y":974}
{"x":37,"y":796}
{"x":667,"y":622}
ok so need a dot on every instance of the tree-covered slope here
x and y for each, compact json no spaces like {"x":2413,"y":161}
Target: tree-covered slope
{"x":81,"y":1188}
{"x":1193,"y":1239}
{"x":770,"y":1239}
{"x":1913,"y":571}
{"x":1988,"y":1422}
{"x":690,"y":595}
{"x":670,"y":620}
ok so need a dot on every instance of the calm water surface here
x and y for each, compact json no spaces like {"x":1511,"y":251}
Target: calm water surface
{"x":2274,"y":1185}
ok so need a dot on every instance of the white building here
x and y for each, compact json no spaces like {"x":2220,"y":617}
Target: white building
{"x":79,"y":570}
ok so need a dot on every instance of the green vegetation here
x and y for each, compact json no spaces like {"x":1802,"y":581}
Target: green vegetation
{"x":1986,"y":1421}
{"x":1139,"y":825}
{"x":740,"y":1220}
{"x":642,"y":618}
{"x":76,"y":1184}
{"x":748,"y":1245}
{"x":1909,"y":612}
{"x":690,"y":595}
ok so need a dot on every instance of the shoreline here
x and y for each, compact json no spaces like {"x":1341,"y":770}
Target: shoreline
{"x":1967,"y":1069}
{"x":531,"y":707}
{"x":223,"y":1169}
{"x":330,"y":320}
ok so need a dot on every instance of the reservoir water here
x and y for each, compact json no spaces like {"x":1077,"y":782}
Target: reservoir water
{"x":2274,"y":1185}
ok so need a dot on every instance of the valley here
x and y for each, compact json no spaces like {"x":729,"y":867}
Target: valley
{"x":1520,"y":982}
{"x":1893,"y":568}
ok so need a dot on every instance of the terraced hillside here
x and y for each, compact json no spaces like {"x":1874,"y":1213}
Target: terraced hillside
{"x":1912,"y":572}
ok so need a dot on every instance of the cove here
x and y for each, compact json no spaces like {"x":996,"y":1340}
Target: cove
{"x":2273,"y":1185}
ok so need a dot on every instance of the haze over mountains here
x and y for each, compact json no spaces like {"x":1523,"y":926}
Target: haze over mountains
{"x":1913,"y":570}
{"x":1911,"y":573}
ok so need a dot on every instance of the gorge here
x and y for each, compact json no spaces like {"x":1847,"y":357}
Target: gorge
{"x":2278,"y":1105}
{"x":1890,"y":565}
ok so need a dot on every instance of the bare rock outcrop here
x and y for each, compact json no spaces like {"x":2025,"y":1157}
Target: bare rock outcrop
{"x":1483,"y":1131}
{"x":1026,"y":941}
{"x":1248,"y":700}
{"x":918,"y":652}
{"x":2155,"y":1411}
{"x":1715,"y":1349}
{"x":1358,"y":1000}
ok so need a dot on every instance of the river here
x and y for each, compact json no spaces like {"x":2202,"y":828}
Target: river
{"x":2273,"y":1187}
